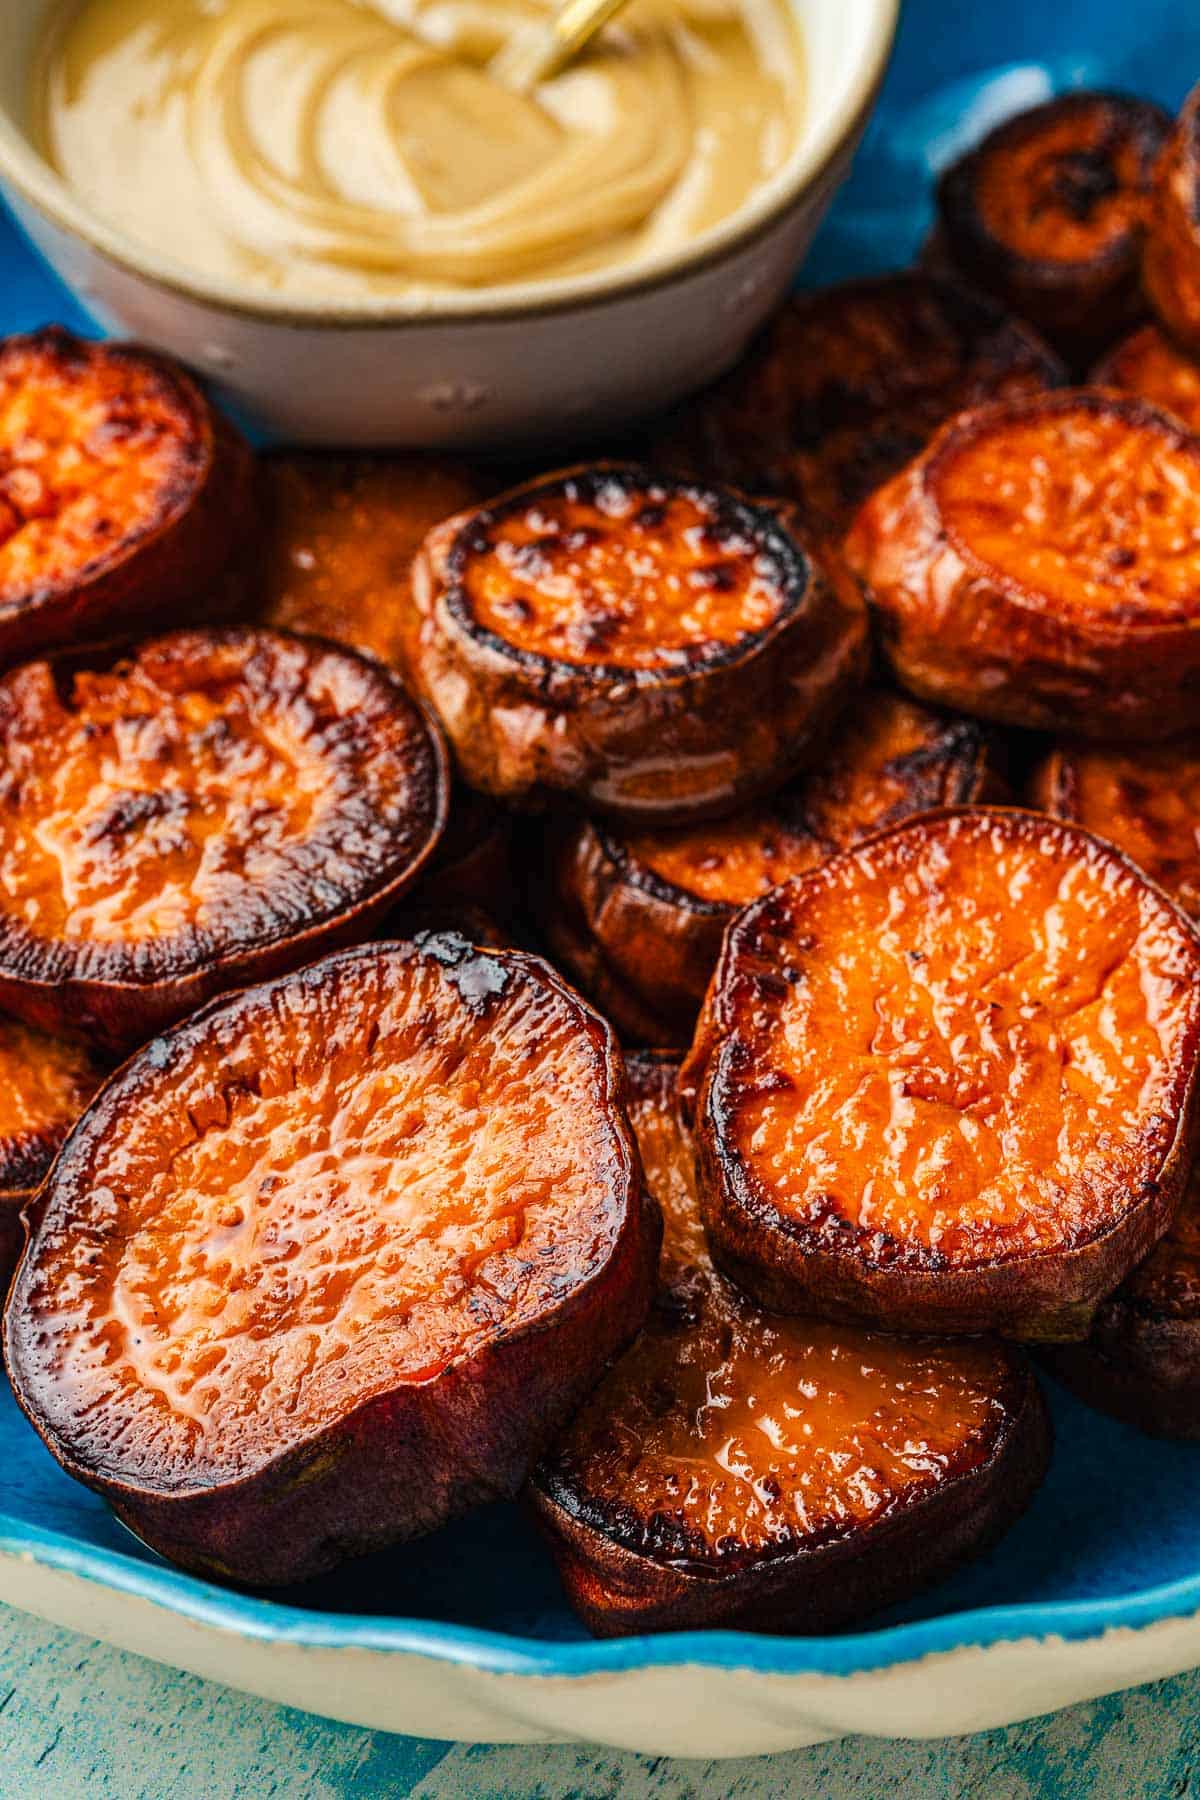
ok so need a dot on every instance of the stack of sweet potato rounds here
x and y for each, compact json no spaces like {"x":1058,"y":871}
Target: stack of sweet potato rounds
{"x":651,"y":982}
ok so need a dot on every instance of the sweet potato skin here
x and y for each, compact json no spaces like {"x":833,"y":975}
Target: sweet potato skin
{"x":1045,"y":1289}
{"x":116,"y":994}
{"x":168,"y":566}
{"x":1171,"y":259}
{"x":402,"y":1462}
{"x":1148,"y":364}
{"x":1048,"y":213}
{"x":646,"y":944}
{"x":963,"y":632}
{"x":692,"y":737}
{"x":625,"y":1571}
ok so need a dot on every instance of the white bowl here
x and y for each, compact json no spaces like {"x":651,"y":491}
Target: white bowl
{"x":550,"y":359}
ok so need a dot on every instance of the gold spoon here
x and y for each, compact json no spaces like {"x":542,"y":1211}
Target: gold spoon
{"x":527,"y":59}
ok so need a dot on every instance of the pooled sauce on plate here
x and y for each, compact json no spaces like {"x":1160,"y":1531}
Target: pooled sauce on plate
{"x":340,"y":149}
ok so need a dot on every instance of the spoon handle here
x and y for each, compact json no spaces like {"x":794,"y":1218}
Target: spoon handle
{"x":527,"y":60}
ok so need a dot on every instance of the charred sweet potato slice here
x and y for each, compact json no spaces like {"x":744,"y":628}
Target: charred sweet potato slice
{"x":1049,"y":213}
{"x":1145,"y":801}
{"x":659,"y":650}
{"x":122,"y":493}
{"x":735,"y":1468}
{"x":208,"y":808}
{"x":1040,"y":565}
{"x":1142,"y":1360}
{"x":341,"y":534}
{"x":847,"y":385}
{"x":45,"y":1083}
{"x":1148,"y":364}
{"x":638,"y":917}
{"x":947,"y":1081}
{"x":1171,"y":258}
{"x":328,"y":1263}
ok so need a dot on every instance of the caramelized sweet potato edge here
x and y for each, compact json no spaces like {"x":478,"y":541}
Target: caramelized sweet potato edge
{"x":760,"y":521}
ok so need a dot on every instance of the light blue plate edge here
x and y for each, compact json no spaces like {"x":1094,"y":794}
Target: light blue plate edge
{"x":500,"y":1653}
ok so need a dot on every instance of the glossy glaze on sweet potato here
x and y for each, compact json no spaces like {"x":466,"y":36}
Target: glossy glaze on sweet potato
{"x":654,"y":649}
{"x":638,"y":916}
{"x":201,"y":810}
{"x":1171,"y":258}
{"x":1146,"y":801}
{"x":1142,"y":1360}
{"x":847,"y":385}
{"x":1048,"y":213}
{"x":330,"y":1262}
{"x":947,"y":1081}
{"x":1148,"y":364}
{"x":45,"y":1083}
{"x":123,"y":494}
{"x":1040,"y":565}
{"x":739,"y":1469}
{"x":340,"y":536}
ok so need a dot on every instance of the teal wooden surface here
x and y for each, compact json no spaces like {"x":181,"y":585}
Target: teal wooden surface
{"x":79,"y":1719}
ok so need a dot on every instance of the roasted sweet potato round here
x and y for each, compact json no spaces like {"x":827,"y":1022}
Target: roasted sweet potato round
{"x":331,"y":1261}
{"x":947,"y":1081}
{"x":1142,"y":1360}
{"x":661,"y":651}
{"x":847,"y":385}
{"x":341,"y":534}
{"x":1148,"y":364}
{"x":207,"y":808}
{"x":123,"y":494}
{"x":638,"y":917}
{"x":1145,"y":801}
{"x":738,"y":1469}
{"x":1040,"y":565}
{"x":1049,"y":212}
{"x":45,"y":1083}
{"x":1171,"y":257}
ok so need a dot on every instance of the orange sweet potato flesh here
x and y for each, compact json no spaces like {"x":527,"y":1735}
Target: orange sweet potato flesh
{"x":1148,"y":364}
{"x":847,"y":385}
{"x":947,"y":1081}
{"x":123,"y":495}
{"x":210,"y":806}
{"x":45,"y":1083}
{"x":1145,"y":801}
{"x":1040,"y":565}
{"x":341,"y":533}
{"x":329,"y":1263}
{"x":1049,"y":213}
{"x":654,"y":649}
{"x":1142,"y":1360}
{"x":735,"y":1468}
{"x":1171,"y":259}
{"x":638,"y":916}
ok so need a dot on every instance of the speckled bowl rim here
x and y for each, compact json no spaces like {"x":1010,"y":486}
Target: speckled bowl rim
{"x":33,"y":182}
{"x":267,"y":1621}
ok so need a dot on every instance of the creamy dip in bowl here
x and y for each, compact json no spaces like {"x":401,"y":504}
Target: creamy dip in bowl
{"x":351,"y":149}
{"x":336,"y":211}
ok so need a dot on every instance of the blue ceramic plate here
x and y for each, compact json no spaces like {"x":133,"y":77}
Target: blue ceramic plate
{"x":466,"y":1634}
